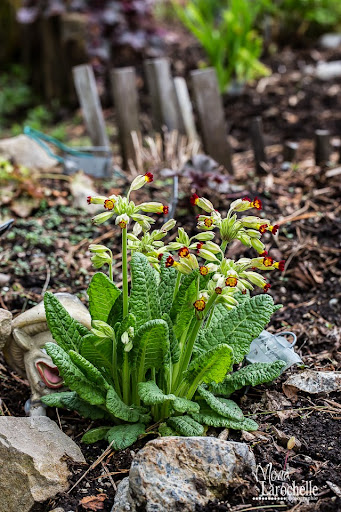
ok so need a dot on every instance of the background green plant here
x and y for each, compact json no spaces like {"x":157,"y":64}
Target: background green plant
{"x":302,"y":16}
{"x":227,"y":31}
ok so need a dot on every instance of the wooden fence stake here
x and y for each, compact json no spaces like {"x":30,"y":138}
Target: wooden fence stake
{"x":165,"y":108}
{"x":185,"y":108}
{"x":211,"y":116}
{"x":123,"y":84}
{"x":87,"y":93}
{"x":290,"y":151}
{"x":322,"y":147}
{"x":257,"y":138}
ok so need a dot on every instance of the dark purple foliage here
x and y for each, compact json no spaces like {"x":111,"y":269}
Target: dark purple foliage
{"x":112,"y":24}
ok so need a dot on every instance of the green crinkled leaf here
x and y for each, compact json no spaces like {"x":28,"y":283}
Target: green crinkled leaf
{"x":116,"y":312}
{"x":57,"y":399}
{"x":97,"y":350}
{"x":89,"y":370}
{"x":237,"y":327}
{"x":168,"y":278}
{"x":165,"y":430}
{"x":151,"y":394}
{"x":211,"y":366}
{"x":183,"y":311}
{"x":95,"y":434}
{"x":226,"y":408}
{"x":144,"y":300}
{"x":102,"y":296}
{"x":186,"y":426}
{"x":64,"y":329}
{"x":119,"y":409}
{"x":185,"y":405}
{"x":212,"y":419}
{"x":173,"y":340}
{"x":150,"y":347}
{"x":251,"y":375}
{"x":123,"y":436}
{"x":71,"y":401}
{"x":73,"y":377}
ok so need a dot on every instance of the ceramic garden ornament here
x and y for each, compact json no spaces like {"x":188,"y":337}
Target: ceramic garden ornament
{"x":22,"y":340}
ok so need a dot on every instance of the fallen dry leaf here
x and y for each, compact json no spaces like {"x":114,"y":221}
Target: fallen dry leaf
{"x":94,"y":502}
{"x":277,"y":402}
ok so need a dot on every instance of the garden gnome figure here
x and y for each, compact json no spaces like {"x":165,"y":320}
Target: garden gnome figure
{"x":22,"y":341}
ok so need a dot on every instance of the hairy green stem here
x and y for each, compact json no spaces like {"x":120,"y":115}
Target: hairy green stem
{"x":223,"y":246}
{"x":125,"y":272}
{"x":177,"y":285}
{"x":209,"y":318}
{"x":176,"y":366}
{"x":114,"y":368}
{"x":126,"y":379}
{"x":188,"y":349}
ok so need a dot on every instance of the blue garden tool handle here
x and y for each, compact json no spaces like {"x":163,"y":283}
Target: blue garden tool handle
{"x":40,"y":137}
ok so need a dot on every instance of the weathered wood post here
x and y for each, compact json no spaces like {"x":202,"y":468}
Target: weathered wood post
{"x":123,"y":84}
{"x":290,"y":151}
{"x":322,"y":147}
{"x":185,"y":108}
{"x":257,"y":139}
{"x":87,"y":93}
{"x":165,"y":108}
{"x":211,"y":116}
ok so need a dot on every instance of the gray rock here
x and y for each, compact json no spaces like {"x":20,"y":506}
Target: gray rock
{"x":312,"y":382}
{"x":25,"y":151}
{"x":325,"y":70}
{"x":33,"y":461}
{"x":330,"y":41}
{"x":177,"y":473}
{"x":81,"y":186}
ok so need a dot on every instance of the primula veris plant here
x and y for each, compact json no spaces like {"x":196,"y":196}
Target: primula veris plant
{"x":167,"y":356}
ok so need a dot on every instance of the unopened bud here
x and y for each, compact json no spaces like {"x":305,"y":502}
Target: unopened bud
{"x":102,"y":217}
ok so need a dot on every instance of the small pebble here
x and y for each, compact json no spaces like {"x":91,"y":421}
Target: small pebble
{"x":4,"y":279}
{"x":333,"y":302}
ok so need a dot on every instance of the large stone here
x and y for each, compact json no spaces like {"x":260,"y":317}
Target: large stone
{"x":325,"y":70}
{"x":330,"y":41}
{"x":178,"y":473}
{"x":23,"y":150}
{"x":33,"y":461}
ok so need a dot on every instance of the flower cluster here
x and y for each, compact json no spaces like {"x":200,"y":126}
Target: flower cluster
{"x":219,"y":279}
{"x":248,"y":229}
{"x":126,"y":210}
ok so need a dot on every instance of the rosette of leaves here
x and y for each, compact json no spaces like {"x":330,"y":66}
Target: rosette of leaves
{"x":160,"y":365}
